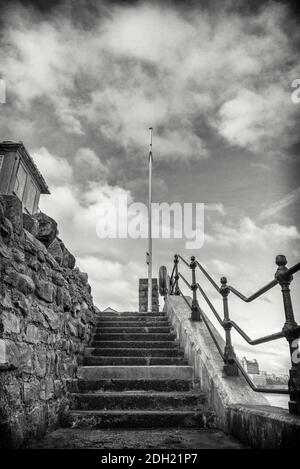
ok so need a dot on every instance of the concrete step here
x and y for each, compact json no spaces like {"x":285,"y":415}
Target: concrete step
{"x":132,"y":322}
{"x":135,"y":372}
{"x":125,"y":344}
{"x":132,"y":330}
{"x":185,"y":440}
{"x":137,"y":400}
{"x":137,"y":419}
{"x":131,"y":313}
{"x":166,"y":385}
{"x":128,"y":361}
{"x":142,"y":336}
{"x":134,"y":352}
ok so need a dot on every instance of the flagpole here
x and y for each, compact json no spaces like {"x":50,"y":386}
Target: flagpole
{"x":150,"y":226}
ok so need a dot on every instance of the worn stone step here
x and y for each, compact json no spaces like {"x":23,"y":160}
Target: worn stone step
{"x":130,"y":313}
{"x":128,"y":361}
{"x":185,"y":440}
{"x":166,"y":385}
{"x":135,"y":372}
{"x":137,"y":400}
{"x":141,"y":336}
{"x":137,"y":418}
{"x":134,"y":352}
{"x":133,"y":319}
{"x":122,"y":323}
{"x":133,"y":330}
{"x":134,"y":344}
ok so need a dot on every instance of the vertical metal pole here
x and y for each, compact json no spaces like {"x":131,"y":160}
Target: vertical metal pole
{"x":195,"y":305}
{"x":176,"y":277}
{"x":291,"y":331}
{"x":230,"y":367}
{"x":150,"y":226}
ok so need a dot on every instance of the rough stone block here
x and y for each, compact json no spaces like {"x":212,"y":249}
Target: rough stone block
{"x":47,"y":228}
{"x":19,"y":355}
{"x":72,"y":329}
{"x":56,"y":252}
{"x":40,"y":362}
{"x":68,"y":260}
{"x":10,"y":323}
{"x":45,"y":291}
{"x":30,"y":224}
{"x":14,"y":212}
{"x":18,"y":256}
{"x":20,"y":301}
{"x":25,"y":284}
{"x":13,"y":391}
{"x":2,"y":351}
{"x":31,"y":391}
{"x":47,"y":389}
{"x":32,"y":334}
{"x":83,"y":277}
{"x":51,"y":318}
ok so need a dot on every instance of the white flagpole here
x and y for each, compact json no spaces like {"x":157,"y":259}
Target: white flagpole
{"x":150,"y":227}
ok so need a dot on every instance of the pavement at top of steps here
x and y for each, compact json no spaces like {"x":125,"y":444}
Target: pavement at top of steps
{"x":159,"y":438}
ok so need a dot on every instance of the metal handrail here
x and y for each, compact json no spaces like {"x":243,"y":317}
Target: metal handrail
{"x":290,"y":331}
{"x":214,"y":284}
{"x":260,"y":340}
{"x":260,"y":292}
{"x":185,"y":281}
{"x":183,"y":260}
{"x":219,"y":319}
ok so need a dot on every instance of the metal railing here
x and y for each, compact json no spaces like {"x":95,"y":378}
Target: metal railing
{"x":232,"y":366}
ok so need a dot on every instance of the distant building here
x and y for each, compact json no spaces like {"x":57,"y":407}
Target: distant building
{"x":251,"y":366}
{"x":259,"y":380}
{"x":20,"y":176}
{"x":109,"y":310}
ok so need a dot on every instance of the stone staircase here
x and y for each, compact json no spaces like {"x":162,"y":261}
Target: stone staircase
{"x":134,"y":375}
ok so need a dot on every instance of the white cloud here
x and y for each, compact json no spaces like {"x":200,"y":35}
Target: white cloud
{"x":113,"y":284}
{"x":248,"y":233}
{"x":277,"y":207}
{"x":56,"y":170}
{"x":88,"y":164}
{"x":150,"y":64}
{"x":254,"y":119}
{"x":224,"y":268}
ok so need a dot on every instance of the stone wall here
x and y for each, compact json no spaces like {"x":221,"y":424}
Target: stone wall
{"x":46,"y":318}
{"x":143,"y":295}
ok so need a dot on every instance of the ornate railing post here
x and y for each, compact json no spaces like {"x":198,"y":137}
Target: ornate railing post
{"x":230,"y":366}
{"x":176,"y":276}
{"x":291,"y":332}
{"x":195,"y":305}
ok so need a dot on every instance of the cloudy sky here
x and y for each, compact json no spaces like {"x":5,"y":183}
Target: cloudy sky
{"x":86,"y":79}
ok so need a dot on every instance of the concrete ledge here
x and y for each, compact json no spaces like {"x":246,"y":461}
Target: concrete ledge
{"x":203,"y":355}
{"x":239,"y":410}
{"x":264,"y":427}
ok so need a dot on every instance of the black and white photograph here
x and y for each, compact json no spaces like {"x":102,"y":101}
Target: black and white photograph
{"x":149,"y":228}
